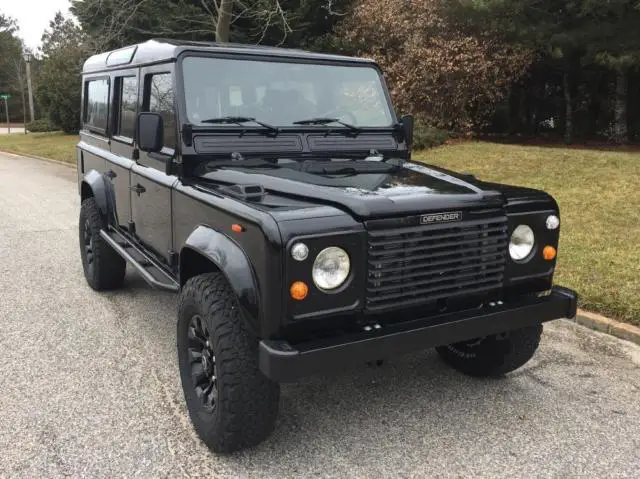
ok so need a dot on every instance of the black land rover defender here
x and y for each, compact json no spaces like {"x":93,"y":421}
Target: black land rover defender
{"x":274,"y":191}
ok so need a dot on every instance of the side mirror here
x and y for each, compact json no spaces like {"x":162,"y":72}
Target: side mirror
{"x":150,"y":127}
{"x":407,"y":126}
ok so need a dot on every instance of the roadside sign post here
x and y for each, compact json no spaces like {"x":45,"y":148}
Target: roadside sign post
{"x":5,"y":97}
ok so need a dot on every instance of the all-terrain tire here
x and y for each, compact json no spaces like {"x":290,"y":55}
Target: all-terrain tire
{"x":494,"y":355}
{"x":245,"y":408}
{"x":104,"y":269}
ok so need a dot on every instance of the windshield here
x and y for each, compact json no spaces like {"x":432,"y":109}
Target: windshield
{"x":282,"y":93}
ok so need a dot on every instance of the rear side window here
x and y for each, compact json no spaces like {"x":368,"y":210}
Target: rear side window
{"x":96,"y":110}
{"x":127,"y":88}
{"x":159,"y":99}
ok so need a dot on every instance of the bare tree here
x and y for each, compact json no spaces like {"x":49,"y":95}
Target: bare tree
{"x":183,"y":18}
{"x":223,"y":25}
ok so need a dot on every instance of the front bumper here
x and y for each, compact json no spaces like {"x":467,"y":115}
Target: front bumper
{"x":282,"y":361}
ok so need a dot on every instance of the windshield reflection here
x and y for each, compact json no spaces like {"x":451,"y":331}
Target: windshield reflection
{"x":282,"y":93}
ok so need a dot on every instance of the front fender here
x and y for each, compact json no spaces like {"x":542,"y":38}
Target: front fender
{"x":231,"y":260}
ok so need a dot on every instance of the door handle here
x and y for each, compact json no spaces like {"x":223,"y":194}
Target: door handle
{"x":138,"y":189}
{"x":110,"y":174}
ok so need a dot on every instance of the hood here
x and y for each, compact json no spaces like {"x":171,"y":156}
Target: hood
{"x":409,"y":188}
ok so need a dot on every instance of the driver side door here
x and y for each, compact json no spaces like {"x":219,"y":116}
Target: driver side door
{"x":151,"y":187}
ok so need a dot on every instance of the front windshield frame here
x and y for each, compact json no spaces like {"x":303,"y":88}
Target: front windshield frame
{"x":180,"y":84}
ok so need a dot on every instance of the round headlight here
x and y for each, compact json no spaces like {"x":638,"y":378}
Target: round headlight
{"x":552,"y":222}
{"x":522,"y":242}
{"x":331,"y":268}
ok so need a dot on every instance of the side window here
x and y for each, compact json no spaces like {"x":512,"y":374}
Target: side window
{"x":159,"y":99}
{"x":96,"y":104}
{"x":127,"y":88}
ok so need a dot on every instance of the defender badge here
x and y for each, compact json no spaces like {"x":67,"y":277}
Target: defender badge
{"x":441,"y":217}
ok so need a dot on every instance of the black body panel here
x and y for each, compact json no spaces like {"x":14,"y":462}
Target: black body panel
{"x":413,"y":188}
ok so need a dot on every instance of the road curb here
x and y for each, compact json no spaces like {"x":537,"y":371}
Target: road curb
{"x":597,"y":322}
{"x":41,"y":158}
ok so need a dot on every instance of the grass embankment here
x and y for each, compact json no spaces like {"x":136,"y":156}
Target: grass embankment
{"x":599,"y":197}
{"x":598,"y":193}
{"x":56,"y":146}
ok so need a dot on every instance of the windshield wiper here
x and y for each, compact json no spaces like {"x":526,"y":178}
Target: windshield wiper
{"x":239,"y":120}
{"x":326,"y":121}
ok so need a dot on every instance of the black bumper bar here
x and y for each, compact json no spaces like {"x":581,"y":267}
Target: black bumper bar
{"x":281,"y":361}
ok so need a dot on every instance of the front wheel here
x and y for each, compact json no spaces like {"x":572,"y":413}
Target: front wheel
{"x":493,"y":355}
{"x":232,"y":405}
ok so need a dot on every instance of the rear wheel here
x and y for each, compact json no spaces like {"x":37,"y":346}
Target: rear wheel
{"x":103,"y":268}
{"x":231,"y":403}
{"x":493,"y":355}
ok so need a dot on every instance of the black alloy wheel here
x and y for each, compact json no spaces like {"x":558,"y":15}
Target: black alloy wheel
{"x":88,"y":246}
{"x":203,"y":363}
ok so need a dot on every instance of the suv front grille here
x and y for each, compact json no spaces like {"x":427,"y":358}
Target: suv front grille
{"x":415,"y":265}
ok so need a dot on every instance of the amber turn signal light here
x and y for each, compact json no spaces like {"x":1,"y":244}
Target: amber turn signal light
{"x":299,"y":290}
{"x":236,"y":228}
{"x":549,"y":253}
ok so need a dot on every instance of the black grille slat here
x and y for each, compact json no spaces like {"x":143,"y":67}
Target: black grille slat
{"x":497,"y":248}
{"x":417,"y":275}
{"x":487,"y":272}
{"x":439,"y":246}
{"x":418,"y":301}
{"x":426,"y":263}
{"x":498,"y":257}
{"x":376,"y":242}
{"x":436,"y":227}
{"x":437,"y":289}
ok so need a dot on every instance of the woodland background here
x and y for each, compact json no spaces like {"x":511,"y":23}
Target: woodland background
{"x":565,"y":70}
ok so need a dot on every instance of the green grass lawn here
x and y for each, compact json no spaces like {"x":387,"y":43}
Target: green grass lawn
{"x":599,"y":197}
{"x":598,"y":193}
{"x":56,"y":146}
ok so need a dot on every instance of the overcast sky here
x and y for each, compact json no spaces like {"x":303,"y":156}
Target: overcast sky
{"x":33,"y":16}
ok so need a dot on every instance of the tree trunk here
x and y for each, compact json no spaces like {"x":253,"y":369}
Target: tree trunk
{"x":568,"y":108}
{"x":622,"y":91}
{"x":224,"y":21}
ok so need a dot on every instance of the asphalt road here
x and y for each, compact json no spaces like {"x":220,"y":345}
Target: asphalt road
{"x":89,"y":384}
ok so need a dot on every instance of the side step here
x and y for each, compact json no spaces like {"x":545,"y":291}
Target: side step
{"x":148,"y":268}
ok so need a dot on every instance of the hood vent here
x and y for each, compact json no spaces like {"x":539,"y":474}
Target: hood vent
{"x":244,"y":192}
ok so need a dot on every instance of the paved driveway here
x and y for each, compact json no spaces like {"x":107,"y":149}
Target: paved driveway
{"x":89,"y":384}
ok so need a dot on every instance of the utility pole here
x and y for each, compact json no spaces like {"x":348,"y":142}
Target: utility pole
{"x":24,"y":109}
{"x":27,"y":60}
{"x":6,"y":109}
